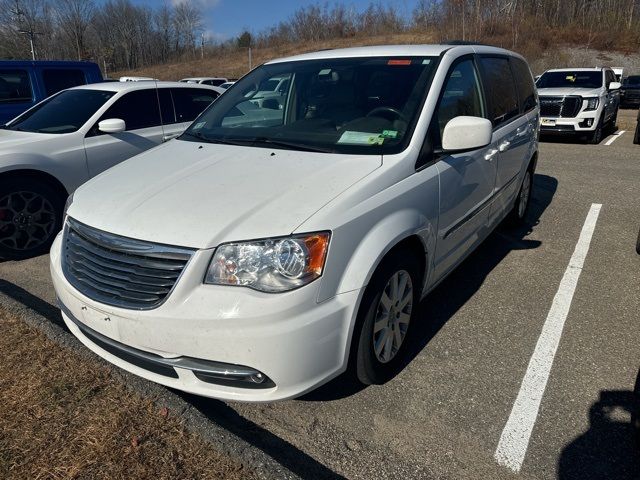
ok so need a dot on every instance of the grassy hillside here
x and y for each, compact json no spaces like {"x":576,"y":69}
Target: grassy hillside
{"x":233,"y":63}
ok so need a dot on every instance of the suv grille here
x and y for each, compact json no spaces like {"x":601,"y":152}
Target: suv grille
{"x":566,"y":107}
{"x":120,"y":271}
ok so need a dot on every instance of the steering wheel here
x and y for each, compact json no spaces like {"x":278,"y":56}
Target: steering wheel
{"x":376,"y":111}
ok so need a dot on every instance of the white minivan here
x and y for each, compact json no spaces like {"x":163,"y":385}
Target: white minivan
{"x":273,"y":245}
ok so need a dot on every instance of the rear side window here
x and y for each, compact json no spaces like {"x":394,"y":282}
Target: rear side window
{"x":460,"y":96}
{"x":190,"y":102}
{"x":524,"y":84}
{"x":138,"y":109}
{"x":15,"y":87}
{"x":500,"y":89}
{"x":59,"y":79}
{"x":215,"y":83}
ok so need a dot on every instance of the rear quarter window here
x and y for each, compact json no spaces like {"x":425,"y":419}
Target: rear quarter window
{"x":15,"y":87}
{"x":524,"y":84}
{"x":56,"y":79}
{"x":500,"y":89}
{"x":190,"y":102}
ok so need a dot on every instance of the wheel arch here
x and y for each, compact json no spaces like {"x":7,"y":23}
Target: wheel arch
{"x":31,"y":173}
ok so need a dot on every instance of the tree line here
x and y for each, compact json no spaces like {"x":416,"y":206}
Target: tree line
{"x":121,"y":35}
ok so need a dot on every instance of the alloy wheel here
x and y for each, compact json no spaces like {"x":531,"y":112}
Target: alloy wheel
{"x":27,"y":220}
{"x":392,"y":316}
{"x":525,"y":192}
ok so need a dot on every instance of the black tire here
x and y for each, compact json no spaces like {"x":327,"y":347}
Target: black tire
{"x":636,"y":136}
{"x":30,"y":217}
{"x":369,"y":368}
{"x":613,"y":123}
{"x":638,"y":244}
{"x":635,"y":411}
{"x":518,"y":214}
{"x":596,"y":136}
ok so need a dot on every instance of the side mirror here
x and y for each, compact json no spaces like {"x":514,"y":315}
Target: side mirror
{"x":466,"y":133}
{"x":614,"y":85}
{"x":112,"y":125}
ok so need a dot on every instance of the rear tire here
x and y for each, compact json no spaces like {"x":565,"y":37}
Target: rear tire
{"x":518,"y":214}
{"x":636,"y":137}
{"x":385,"y":317}
{"x":30,"y":217}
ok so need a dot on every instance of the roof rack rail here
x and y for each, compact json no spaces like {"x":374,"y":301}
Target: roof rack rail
{"x":463,"y":42}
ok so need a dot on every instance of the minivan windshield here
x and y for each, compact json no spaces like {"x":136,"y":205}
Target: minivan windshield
{"x":573,"y":79}
{"x":65,"y":112}
{"x":345,"y":105}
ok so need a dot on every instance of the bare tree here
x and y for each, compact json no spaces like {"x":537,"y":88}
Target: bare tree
{"x":74,"y":17}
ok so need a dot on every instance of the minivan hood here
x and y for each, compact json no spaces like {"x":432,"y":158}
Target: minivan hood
{"x":200,"y":195}
{"x":561,"y":92}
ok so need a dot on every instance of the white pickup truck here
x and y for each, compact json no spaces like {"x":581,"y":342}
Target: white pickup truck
{"x":578,"y":101}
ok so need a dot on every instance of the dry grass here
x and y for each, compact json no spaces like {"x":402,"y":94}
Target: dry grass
{"x":62,"y":416}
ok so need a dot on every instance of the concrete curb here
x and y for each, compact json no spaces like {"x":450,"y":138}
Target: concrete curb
{"x":225,"y":442}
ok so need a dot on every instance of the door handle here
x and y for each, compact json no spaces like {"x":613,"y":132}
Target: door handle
{"x":522,"y":131}
{"x":504,"y":145}
{"x":490,"y":154}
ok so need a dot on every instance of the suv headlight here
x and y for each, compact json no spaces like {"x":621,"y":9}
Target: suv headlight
{"x":592,"y":103}
{"x":270,"y":265}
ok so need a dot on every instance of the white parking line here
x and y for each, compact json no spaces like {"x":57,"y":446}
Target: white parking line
{"x":614,"y":137}
{"x":514,"y":440}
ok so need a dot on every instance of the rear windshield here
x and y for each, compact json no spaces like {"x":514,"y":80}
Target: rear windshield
{"x":65,"y":112}
{"x":633,"y":80}
{"x":346,"y":105}
{"x":568,"y":78}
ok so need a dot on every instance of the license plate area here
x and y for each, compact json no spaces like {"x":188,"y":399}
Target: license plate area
{"x":101,"y":322}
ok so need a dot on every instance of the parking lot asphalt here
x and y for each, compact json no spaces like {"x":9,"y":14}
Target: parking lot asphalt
{"x":443,"y":415}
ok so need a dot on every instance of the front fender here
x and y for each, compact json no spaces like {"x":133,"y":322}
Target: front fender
{"x":70,"y":174}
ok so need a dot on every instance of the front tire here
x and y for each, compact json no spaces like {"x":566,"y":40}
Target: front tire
{"x":385,"y":317}
{"x":596,"y":136}
{"x":30,"y":217}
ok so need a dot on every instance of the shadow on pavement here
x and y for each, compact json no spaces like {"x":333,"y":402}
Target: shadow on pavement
{"x":277,"y":448}
{"x":42,"y":308}
{"x":608,"y":450}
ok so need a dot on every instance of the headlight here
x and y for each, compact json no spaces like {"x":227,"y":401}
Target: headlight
{"x":592,"y":103}
{"x":270,"y":265}
{"x":67,"y":205}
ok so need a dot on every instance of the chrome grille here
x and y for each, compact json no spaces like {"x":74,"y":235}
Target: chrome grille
{"x":565,"y":107}
{"x":120,"y":271}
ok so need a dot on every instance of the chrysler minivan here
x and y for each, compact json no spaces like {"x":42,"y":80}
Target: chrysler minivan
{"x":276,"y":243}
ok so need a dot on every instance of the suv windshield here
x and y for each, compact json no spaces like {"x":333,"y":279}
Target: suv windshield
{"x":346,"y":105}
{"x":568,"y":78}
{"x":65,"y":112}
{"x":634,"y":81}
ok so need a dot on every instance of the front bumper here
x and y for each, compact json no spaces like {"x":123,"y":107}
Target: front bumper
{"x":585,"y":122}
{"x":297,"y":343}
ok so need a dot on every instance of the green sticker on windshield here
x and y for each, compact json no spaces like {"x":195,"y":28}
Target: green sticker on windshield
{"x":199,"y":125}
{"x":361,"y":138}
{"x":389,"y":133}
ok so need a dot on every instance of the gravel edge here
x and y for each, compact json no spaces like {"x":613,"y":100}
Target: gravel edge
{"x":225,"y":442}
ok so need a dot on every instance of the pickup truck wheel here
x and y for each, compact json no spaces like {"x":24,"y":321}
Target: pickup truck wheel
{"x":30,"y":217}
{"x":517,"y":215}
{"x":596,"y":136}
{"x":384,"y":319}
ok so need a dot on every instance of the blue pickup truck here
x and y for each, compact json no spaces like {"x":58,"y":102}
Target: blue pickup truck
{"x":25,"y":83}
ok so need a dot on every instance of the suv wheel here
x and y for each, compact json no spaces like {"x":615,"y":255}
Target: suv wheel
{"x":387,"y":310}
{"x":30,"y":217}
{"x":596,"y":136}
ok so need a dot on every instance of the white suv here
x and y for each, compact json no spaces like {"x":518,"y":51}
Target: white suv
{"x":57,"y":145}
{"x":264,"y":250}
{"x":581,"y":101}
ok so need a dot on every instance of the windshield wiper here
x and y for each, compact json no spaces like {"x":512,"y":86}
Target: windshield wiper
{"x":222,"y":141}
{"x":289,"y":145}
